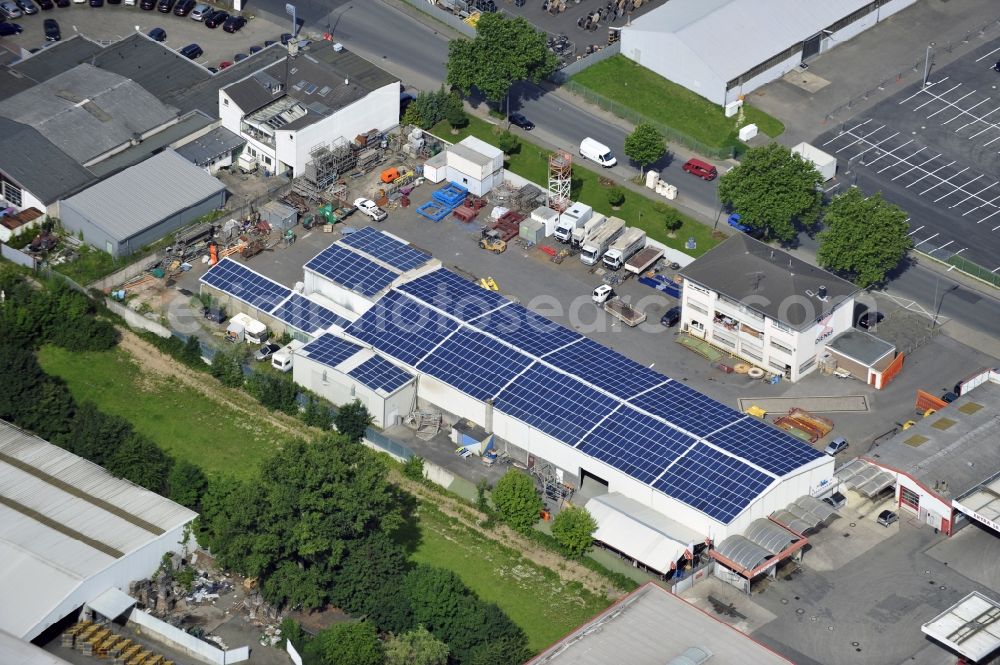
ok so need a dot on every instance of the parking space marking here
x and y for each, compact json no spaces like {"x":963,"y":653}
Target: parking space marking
{"x":941,"y":182}
{"x":960,"y":114}
{"x":885,"y":168}
{"x":926,"y":239}
{"x":983,"y":57}
{"x":914,"y":230}
{"x":976,"y":195}
{"x":916,"y":166}
{"x":961,"y":110}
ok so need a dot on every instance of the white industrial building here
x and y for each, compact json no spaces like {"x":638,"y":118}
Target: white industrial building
{"x":687,"y":41}
{"x":772,"y":310}
{"x":341,"y":372}
{"x":472,"y":163}
{"x":69,"y":531}
{"x":312,"y":99}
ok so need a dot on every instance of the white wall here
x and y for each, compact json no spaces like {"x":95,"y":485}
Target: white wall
{"x":666,"y":55}
{"x":177,"y":638}
{"x":355,"y":302}
{"x":339,"y":388}
{"x":765,"y":77}
{"x":229,"y":113}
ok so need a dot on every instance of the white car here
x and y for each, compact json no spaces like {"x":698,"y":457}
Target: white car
{"x":368,"y":207}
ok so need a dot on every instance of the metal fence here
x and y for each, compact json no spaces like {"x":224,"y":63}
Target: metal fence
{"x":388,"y":444}
{"x":671,"y":134}
{"x":449,"y":19}
{"x":560,"y":76}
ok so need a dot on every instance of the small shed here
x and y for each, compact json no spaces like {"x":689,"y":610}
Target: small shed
{"x":214,"y":150}
{"x":279,"y":215}
{"x":532,"y":230}
{"x":436,"y":168}
{"x":548,"y":217}
{"x":825,"y":163}
{"x":475,"y":164}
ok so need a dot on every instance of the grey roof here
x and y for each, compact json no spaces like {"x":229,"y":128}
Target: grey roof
{"x":205,"y":95}
{"x":87,"y":111}
{"x":157,"y":68}
{"x":57,"y":58}
{"x":467,"y":153}
{"x":956,"y":446}
{"x":207,"y":147}
{"x":30,"y":160}
{"x":143,"y":195}
{"x":652,"y":625}
{"x":316,"y":79}
{"x":186,"y":126}
{"x":768,"y":280}
{"x":861,"y":346}
{"x":772,"y":27}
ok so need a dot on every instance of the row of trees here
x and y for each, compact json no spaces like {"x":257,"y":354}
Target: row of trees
{"x":778,"y":194}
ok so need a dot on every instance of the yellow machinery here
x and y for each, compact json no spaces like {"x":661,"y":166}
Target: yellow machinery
{"x":489,"y":283}
{"x":492,"y":242}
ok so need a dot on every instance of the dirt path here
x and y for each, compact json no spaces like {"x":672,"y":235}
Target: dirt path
{"x":158,"y":363}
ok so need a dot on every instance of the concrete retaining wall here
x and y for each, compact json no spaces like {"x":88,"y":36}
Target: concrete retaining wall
{"x":576,"y":67}
{"x":136,"y":320}
{"x":176,"y":638}
{"x":445,"y":17}
{"x":128,"y":272}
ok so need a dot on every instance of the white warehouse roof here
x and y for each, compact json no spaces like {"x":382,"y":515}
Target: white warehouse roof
{"x":62,"y":521}
{"x":769,"y":27}
{"x":970,"y":627}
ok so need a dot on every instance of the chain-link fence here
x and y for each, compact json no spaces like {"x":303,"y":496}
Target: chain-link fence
{"x":672,"y":135}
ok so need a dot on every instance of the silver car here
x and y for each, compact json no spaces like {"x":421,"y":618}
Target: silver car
{"x":9,"y":9}
{"x":200,"y":12}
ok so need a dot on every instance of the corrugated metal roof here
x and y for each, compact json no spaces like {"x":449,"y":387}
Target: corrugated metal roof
{"x":143,"y":195}
{"x":770,"y":26}
{"x":13,"y":650}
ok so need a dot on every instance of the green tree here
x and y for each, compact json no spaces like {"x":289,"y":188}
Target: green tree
{"x":275,"y":391}
{"x":516,"y":500}
{"x":317,"y":413}
{"x":30,"y":398}
{"x":616,"y":197}
{"x":774,"y":191}
{"x":645,"y":145}
{"x":574,"y":529}
{"x":504,"y":51}
{"x":352,"y":420}
{"x":140,"y":460}
{"x":354,"y":643}
{"x":417,"y":647}
{"x":191,"y":352}
{"x":95,"y":436}
{"x":508,"y":142}
{"x":368,"y":582}
{"x":227,"y":367}
{"x":292,"y":632}
{"x":187,"y":484}
{"x":455,"y":113}
{"x":864,"y":237}
{"x":413,"y":468}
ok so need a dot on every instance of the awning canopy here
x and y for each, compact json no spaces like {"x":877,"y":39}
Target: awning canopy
{"x":639,"y":532}
{"x":743,"y":552}
{"x":804,"y":514}
{"x":864,"y":477}
{"x":971,"y":627}
{"x":769,"y":535}
{"x":112,"y":603}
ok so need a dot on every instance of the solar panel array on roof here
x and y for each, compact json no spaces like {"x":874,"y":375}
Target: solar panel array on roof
{"x":379,"y":374}
{"x":244,"y":284}
{"x":605,"y":368}
{"x":474,"y":363}
{"x":687,"y":408}
{"x":453,"y":294}
{"x":329,"y":349}
{"x":386,"y":249}
{"x":351,"y":270}
{"x":402,"y":328}
{"x":526,"y":330}
{"x":308,"y":316}
{"x":765,"y":446}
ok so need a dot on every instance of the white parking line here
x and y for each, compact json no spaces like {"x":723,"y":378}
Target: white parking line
{"x":981,"y":118}
{"x":926,"y":239}
{"x":926,"y":87}
{"x":954,"y":104}
{"x":915,"y":230}
{"x":918,"y":166}
{"x":960,"y":114}
{"x":937,"y":97}
{"x":944,"y":181}
{"x":929,"y":173}
{"x":941,"y":247}
{"x":991,"y":202}
{"x":874,"y":146}
{"x":976,"y":195}
{"x":959,"y":189}
{"x":860,"y":138}
{"x":983,"y":57}
{"x":900,"y":161}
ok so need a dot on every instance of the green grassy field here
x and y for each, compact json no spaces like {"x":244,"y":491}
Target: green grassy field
{"x":532,"y":163}
{"x":183,"y":422}
{"x":647,"y":93}
{"x":535,"y":598}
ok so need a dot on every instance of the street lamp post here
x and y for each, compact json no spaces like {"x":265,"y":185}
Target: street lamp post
{"x":927,"y":62}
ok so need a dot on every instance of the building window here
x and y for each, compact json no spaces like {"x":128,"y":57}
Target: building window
{"x":777,"y":325}
{"x":225,"y":101}
{"x":778,"y":366}
{"x":696,"y":307}
{"x":697,"y":325}
{"x":267,"y":160}
{"x":12,"y":193}
{"x":807,"y":364}
{"x":780,"y":347}
{"x":909,"y":498}
{"x":750,"y":354}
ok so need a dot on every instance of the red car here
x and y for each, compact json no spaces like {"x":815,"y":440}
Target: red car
{"x":225,"y":64}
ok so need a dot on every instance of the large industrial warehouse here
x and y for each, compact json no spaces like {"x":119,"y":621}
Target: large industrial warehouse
{"x":69,"y":531}
{"x":548,"y":393}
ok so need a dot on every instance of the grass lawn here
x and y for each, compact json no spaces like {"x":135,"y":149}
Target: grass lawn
{"x":184,"y":423}
{"x":536,"y":599}
{"x":91,"y":265}
{"x":645,"y":92}
{"x":532,"y":163}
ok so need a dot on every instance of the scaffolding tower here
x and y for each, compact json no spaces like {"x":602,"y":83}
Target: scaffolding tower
{"x":552,"y":488}
{"x":328,"y":161}
{"x":560,"y":180}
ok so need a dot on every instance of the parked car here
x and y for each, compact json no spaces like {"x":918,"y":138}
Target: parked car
{"x":255,"y":49}
{"x":96,"y":3}
{"x":192,"y":51}
{"x":158,"y":34}
{"x":165,"y":6}
{"x":62,"y":3}
{"x":835,"y":500}
{"x":703,"y":170}
{"x":949,"y":397}
{"x":10,"y":29}
{"x":147,"y":4}
{"x":518,"y":120}
{"x":838,"y":445}
{"x":45,"y":5}
{"x":286,"y":37}
{"x":216,"y":19}
{"x":214,"y":314}
{"x":369,"y":208}
{"x":9,"y":9}
{"x":27,"y":6}
{"x":240,"y":57}
{"x":225,"y":64}
{"x":887,"y":518}
{"x":870,"y":319}
{"x":671,"y":317}
{"x":234,"y":24}
{"x":184,"y":7}
{"x":996,"y":66}
{"x":52,"y":32}
{"x":266,"y":351}
{"x":199,"y":12}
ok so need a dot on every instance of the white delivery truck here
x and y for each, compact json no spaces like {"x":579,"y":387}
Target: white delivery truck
{"x":575,"y":216}
{"x":622,"y":250}
{"x":282,"y":359}
{"x":583,"y":233}
{"x":597,"y":152}
{"x":593,"y":249}
{"x":243,"y":328}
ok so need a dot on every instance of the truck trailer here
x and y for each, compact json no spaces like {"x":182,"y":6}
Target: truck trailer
{"x":593,"y":249}
{"x":575,"y":216}
{"x":605,"y":296}
{"x":630,"y":242}
{"x":582,"y":234}
{"x":644,"y":259}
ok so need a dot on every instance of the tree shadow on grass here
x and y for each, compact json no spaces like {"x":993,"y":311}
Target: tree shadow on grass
{"x":409,"y":535}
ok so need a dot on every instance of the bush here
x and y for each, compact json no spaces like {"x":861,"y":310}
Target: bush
{"x":508,"y":142}
{"x":413,"y":468}
{"x":227,"y":367}
{"x":275,"y":391}
{"x":616,"y":196}
{"x":317,"y":412}
{"x":574,"y":528}
{"x":516,"y":500}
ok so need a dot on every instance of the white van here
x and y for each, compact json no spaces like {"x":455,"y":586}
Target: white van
{"x":597,"y":152}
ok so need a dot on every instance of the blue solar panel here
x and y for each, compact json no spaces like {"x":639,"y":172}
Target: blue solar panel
{"x":686,"y":408}
{"x":454,"y":294}
{"x":714,"y":483}
{"x":765,"y":446}
{"x":307,"y":316}
{"x":329,"y":349}
{"x":526,"y":330}
{"x":351,"y":270}
{"x":636,"y":444}
{"x":386,"y":249}
{"x":402,"y":328}
{"x":244,"y":284}
{"x":554,"y":403}
{"x":379,"y":374}
{"x":477,"y":365}
{"x":605,"y":368}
